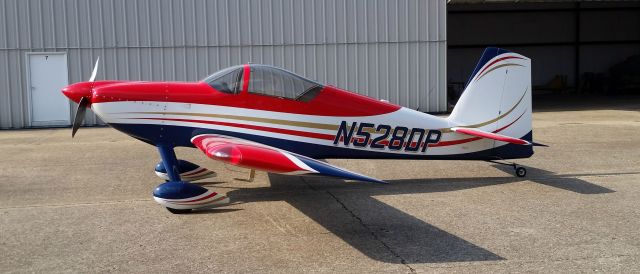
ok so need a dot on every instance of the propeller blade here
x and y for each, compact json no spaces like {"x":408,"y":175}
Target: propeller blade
{"x":95,"y":71}
{"x":77,"y":121}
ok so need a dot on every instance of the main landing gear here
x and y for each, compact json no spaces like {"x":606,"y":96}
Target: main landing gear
{"x":179,"y":196}
{"x":520,"y":171}
{"x":188,"y":171}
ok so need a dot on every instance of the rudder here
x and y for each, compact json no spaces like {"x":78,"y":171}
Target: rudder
{"x":497,"y":98}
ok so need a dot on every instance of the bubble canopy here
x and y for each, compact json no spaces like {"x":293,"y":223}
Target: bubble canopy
{"x":264,"y":80}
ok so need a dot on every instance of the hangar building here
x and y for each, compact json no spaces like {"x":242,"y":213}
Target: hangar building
{"x":390,"y":50}
{"x":394,"y":50}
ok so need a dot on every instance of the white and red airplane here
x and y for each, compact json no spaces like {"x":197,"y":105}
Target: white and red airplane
{"x":266,"y":118}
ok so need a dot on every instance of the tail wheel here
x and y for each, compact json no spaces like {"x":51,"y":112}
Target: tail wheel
{"x":178,"y":211}
{"x":521,"y":171}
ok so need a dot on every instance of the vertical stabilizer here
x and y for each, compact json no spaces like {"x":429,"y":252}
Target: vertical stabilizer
{"x":497,"y":97}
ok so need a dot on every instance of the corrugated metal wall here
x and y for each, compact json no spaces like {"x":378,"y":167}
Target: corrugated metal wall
{"x":394,"y":50}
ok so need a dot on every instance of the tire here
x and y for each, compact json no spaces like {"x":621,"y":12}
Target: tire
{"x":178,"y":211}
{"x":521,"y":171}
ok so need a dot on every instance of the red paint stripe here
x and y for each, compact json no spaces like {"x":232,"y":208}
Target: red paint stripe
{"x":462,"y":141}
{"x":319,"y":135}
{"x":247,"y":73}
{"x":498,"y":60}
{"x":245,"y":155}
{"x":455,"y":142}
{"x":269,"y":129}
{"x":361,"y":139}
{"x":203,"y":203}
{"x":504,"y":127}
{"x":195,"y":171}
{"x":200,"y":199}
{"x":197,"y":177}
{"x":331,"y":101}
{"x":206,"y":171}
{"x":493,"y":136}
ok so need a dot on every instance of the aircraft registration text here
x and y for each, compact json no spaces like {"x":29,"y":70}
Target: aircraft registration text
{"x":384,"y":136}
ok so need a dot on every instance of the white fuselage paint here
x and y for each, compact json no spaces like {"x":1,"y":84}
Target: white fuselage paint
{"x":138,"y":112}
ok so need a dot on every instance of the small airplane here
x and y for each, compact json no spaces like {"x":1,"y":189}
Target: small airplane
{"x":266,"y":118}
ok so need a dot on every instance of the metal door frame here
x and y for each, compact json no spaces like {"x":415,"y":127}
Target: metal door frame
{"x":30,"y":92}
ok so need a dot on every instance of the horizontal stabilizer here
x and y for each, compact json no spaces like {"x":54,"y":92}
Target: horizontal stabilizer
{"x":489,"y":135}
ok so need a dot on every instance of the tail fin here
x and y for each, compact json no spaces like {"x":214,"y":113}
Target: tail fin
{"x":497,"y":99}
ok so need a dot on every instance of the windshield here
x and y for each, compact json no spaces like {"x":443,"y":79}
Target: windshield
{"x":272,"y":81}
{"x":228,"y":80}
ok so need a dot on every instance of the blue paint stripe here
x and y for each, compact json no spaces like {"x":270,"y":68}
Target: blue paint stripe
{"x":183,"y":166}
{"x":329,"y":170}
{"x":178,"y":190}
{"x":181,"y":136}
{"x":488,"y":54}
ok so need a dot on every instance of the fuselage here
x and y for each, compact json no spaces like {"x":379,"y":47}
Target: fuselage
{"x":307,"y":128}
{"x":333,"y":123}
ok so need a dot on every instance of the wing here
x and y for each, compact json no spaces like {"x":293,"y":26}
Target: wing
{"x":254,"y":155}
{"x":489,"y":135}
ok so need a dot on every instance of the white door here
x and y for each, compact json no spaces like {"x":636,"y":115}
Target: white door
{"x":47,"y":76}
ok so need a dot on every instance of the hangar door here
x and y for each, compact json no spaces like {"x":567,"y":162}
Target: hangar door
{"x":576,"y":47}
{"x":48,"y":74}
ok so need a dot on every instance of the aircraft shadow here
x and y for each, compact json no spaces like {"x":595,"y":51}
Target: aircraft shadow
{"x":215,"y":210}
{"x":380,"y":231}
{"x":564,"y":181}
{"x":384,"y":233}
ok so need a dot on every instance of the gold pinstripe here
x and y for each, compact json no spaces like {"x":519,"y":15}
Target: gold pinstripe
{"x":497,"y":67}
{"x":252,"y":119}
{"x":495,"y":119}
{"x":318,"y":125}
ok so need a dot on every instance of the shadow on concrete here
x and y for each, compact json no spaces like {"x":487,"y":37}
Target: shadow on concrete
{"x":384,"y":233}
{"x":209,"y":183}
{"x":376,"y":229}
{"x":215,"y":210}
{"x":564,"y":181}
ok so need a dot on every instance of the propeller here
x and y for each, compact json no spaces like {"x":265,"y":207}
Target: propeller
{"x":84,"y":102}
{"x":77,"y":121}
{"x":95,"y":70}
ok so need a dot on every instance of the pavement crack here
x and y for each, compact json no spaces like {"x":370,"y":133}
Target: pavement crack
{"x":363,"y":224}
{"x":371,"y":231}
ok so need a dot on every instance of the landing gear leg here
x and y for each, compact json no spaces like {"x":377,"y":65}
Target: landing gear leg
{"x":170,"y":162}
{"x":520,"y":171}
{"x":179,"y":196}
{"x":171,"y":166}
{"x":252,"y":175}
